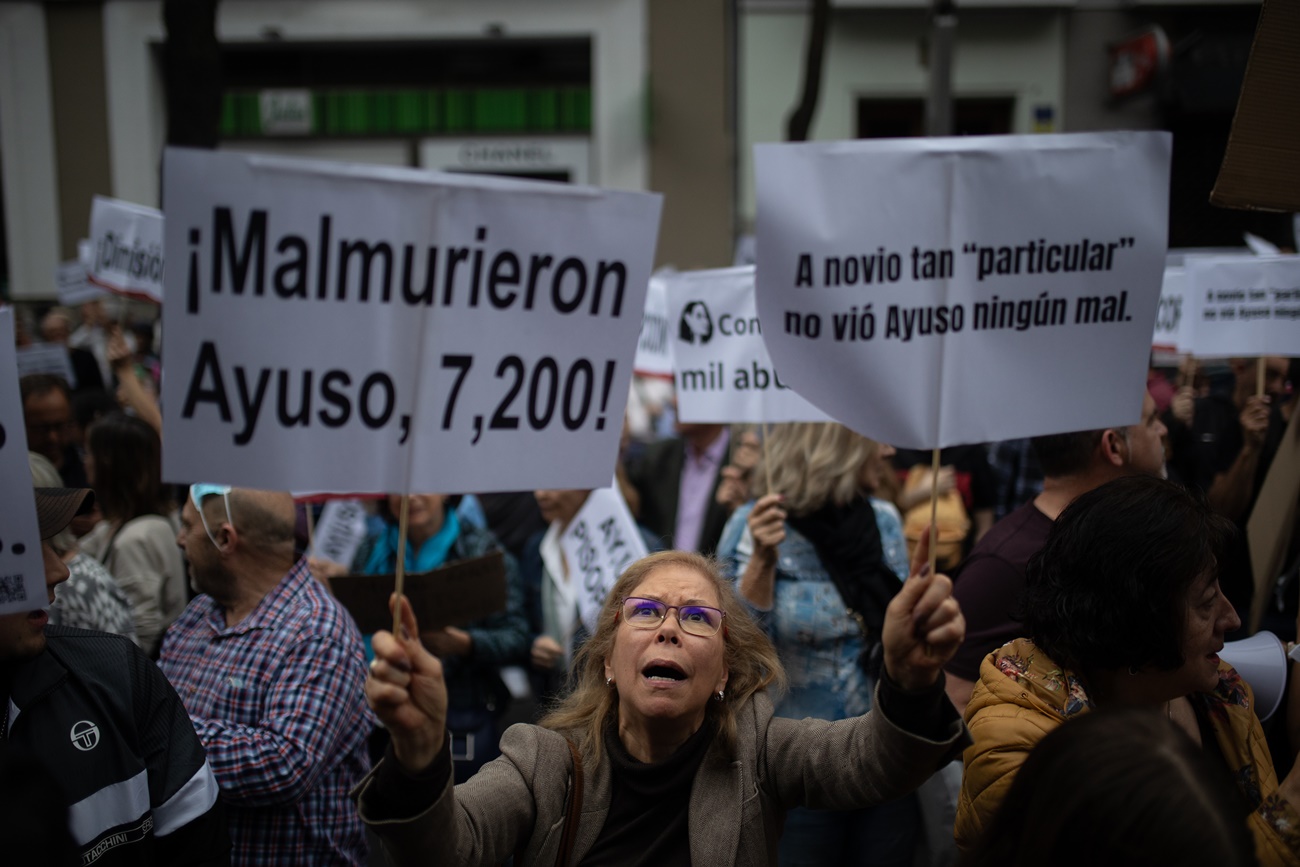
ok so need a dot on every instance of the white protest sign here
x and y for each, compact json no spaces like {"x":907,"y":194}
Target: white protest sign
{"x":654,"y":356}
{"x":22,"y":567}
{"x":359,"y":328}
{"x":127,"y":244}
{"x":600,"y":542}
{"x":1171,"y":326}
{"x":47,"y":358}
{"x":722,"y":369}
{"x":340,"y":531}
{"x":72,"y":279}
{"x":935,"y":292}
{"x":1244,"y":306}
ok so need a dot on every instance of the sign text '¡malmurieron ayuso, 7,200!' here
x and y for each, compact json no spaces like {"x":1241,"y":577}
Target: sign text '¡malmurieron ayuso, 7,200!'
{"x":251,"y":260}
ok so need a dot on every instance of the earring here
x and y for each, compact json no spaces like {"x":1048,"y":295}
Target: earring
{"x":720,"y":696}
{"x":609,"y":681}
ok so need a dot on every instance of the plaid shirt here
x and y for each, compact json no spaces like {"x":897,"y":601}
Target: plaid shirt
{"x":277,"y":701}
{"x":1020,"y":478}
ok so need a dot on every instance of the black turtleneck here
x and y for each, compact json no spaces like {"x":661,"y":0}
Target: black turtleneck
{"x":649,"y":804}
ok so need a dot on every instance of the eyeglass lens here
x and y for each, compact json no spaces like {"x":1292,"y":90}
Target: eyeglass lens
{"x":649,"y":613}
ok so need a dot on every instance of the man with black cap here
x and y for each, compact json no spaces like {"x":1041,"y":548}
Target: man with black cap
{"x":108,"y":726}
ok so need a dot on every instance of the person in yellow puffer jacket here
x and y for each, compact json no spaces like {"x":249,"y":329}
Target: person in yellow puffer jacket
{"x":1123,"y":607}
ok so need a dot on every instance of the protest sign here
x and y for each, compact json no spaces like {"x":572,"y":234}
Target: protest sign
{"x":935,"y":292}
{"x":1244,"y":306}
{"x":1171,"y":330}
{"x":721,"y":366}
{"x":654,"y":355}
{"x":600,"y":542}
{"x":47,"y":358}
{"x":72,"y":279}
{"x":453,"y":595}
{"x":22,"y":567}
{"x":354,"y":328}
{"x":127,"y":244}
{"x":340,"y":531}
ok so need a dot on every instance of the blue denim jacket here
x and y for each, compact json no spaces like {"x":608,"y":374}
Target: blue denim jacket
{"x":817,"y":640}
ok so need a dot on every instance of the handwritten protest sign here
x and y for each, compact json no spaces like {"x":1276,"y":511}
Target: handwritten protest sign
{"x":600,"y":542}
{"x":721,"y":366}
{"x":1244,"y":305}
{"x":353,"y":328}
{"x":340,"y":530}
{"x":127,"y":244}
{"x":22,"y":568}
{"x":654,"y":356}
{"x":1171,"y":326}
{"x":934,"y":292}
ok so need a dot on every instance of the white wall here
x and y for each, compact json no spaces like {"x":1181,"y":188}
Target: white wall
{"x":1017,"y":53}
{"x":617,"y":29}
{"x":31,"y":194}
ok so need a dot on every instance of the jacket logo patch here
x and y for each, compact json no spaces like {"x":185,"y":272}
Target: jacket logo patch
{"x":85,"y":735}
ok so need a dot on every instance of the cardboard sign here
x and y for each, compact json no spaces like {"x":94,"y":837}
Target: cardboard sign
{"x":935,"y":292}
{"x":47,"y":358}
{"x":721,"y":367}
{"x":340,"y":531}
{"x":453,"y":595}
{"x":22,"y":567}
{"x":360,"y":328}
{"x":654,"y":353}
{"x":127,"y":243}
{"x":600,"y":542}
{"x":1244,"y":306}
{"x":1261,"y":164}
{"x":1272,"y":521}
{"x":1171,"y":329}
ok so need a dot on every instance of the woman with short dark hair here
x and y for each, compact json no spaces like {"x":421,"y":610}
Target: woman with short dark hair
{"x":1123,"y":608}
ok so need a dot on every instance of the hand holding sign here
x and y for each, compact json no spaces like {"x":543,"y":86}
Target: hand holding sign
{"x":406,"y":690}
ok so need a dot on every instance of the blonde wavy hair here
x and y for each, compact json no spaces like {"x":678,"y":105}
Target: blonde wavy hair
{"x":751,"y":660}
{"x":814,"y":464}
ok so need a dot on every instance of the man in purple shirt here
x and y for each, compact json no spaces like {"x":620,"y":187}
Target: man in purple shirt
{"x":989,"y":583}
{"x":271,"y":670}
{"x":676,"y":483}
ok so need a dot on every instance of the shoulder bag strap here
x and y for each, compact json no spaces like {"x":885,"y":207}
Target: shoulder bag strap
{"x":572,"y":810}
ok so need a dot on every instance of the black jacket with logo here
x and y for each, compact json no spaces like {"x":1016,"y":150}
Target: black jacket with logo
{"x":101,"y":716}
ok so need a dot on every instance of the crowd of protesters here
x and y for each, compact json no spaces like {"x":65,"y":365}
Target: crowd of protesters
{"x":1116,"y":569}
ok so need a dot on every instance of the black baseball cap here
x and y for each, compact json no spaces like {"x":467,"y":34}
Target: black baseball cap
{"x":56,"y":507}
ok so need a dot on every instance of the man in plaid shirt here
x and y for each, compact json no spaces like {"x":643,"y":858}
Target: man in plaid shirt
{"x":271,"y":670}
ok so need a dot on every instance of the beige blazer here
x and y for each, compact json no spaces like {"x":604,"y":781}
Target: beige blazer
{"x":737,"y":807}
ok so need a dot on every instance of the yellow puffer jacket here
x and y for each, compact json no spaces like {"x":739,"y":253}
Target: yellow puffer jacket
{"x":1022,"y":695}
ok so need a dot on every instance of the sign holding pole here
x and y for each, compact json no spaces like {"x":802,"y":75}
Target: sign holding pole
{"x":937,"y":292}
